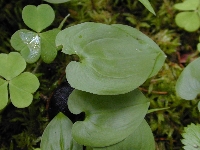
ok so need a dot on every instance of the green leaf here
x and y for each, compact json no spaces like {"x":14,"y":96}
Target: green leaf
{"x":11,"y":65}
{"x":57,"y":135}
{"x":188,"y":83}
{"x":191,"y":137}
{"x":57,"y":1}
{"x":3,"y":93}
{"x":21,"y":88}
{"x":38,"y":18}
{"x":109,"y":118}
{"x":141,"y":139}
{"x":187,"y":5}
{"x":188,"y":20}
{"x":29,"y":43}
{"x":49,"y":49}
{"x":199,"y":106}
{"x":114,"y":59}
{"x":148,"y":6}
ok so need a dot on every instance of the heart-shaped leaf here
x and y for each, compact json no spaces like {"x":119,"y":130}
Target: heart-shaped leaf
{"x":29,"y":43}
{"x":141,"y":139}
{"x":187,"y":5}
{"x":188,"y":83}
{"x":3,"y":93}
{"x":21,"y":88}
{"x":148,"y":6}
{"x":57,"y":1}
{"x":113,"y":59}
{"x":38,"y":18}
{"x":32,"y":45}
{"x":48,"y":45}
{"x":109,"y":118}
{"x":188,"y":20}
{"x":57,"y":135}
{"x":11,"y":65}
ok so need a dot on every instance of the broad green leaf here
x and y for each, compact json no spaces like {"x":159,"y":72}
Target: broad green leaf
{"x":28,"y":43}
{"x":141,"y":139}
{"x":38,"y":18}
{"x":57,"y":135}
{"x":148,"y":6}
{"x":114,"y":59}
{"x":188,"y":20}
{"x":187,"y":5}
{"x":109,"y":118}
{"x":57,"y":1}
{"x":11,"y":65}
{"x":49,"y":49}
{"x":191,"y":137}
{"x":21,"y":88}
{"x":188,"y":83}
{"x":3,"y":93}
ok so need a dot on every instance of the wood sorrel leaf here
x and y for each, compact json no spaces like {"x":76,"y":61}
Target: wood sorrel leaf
{"x":188,"y":20}
{"x":3,"y":93}
{"x":38,"y":18}
{"x":148,"y":6}
{"x":21,"y":89}
{"x":11,"y":65}
{"x":188,"y":83}
{"x":187,"y":5}
{"x":113,"y":59}
{"x":141,"y":139}
{"x":57,"y":1}
{"x":109,"y":118}
{"x":57,"y":135}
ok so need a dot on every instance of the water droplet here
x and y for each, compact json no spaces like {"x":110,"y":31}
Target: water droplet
{"x":138,"y":50}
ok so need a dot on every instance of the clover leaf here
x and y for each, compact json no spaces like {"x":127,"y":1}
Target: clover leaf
{"x":57,"y":1}
{"x":20,"y":86}
{"x":141,"y":139}
{"x":32,"y":44}
{"x":57,"y":135}
{"x":113,"y":59}
{"x":188,"y":83}
{"x":189,"y":20}
{"x":38,"y":18}
{"x":191,"y":137}
{"x":109,"y":119}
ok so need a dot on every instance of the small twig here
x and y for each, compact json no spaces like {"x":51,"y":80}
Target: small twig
{"x":154,"y":92}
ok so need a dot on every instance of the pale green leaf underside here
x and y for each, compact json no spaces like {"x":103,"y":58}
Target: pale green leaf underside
{"x":109,"y":119}
{"x":191,"y":137}
{"x":141,"y":139}
{"x":57,"y":1}
{"x":187,"y":5}
{"x":21,"y":89}
{"x":188,"y":20}
{"x":38,"y":18}
{"x":188,"y":83}
{"x":148,"y":6}
{"x":57,"y":135}
{"x":114,"y":59}
{"x":11,"y":65}
{"x":3,"y":93}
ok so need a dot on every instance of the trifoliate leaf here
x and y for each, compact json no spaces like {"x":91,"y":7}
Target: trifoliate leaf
{"x":38,"y":18}
{"x":57,"y":135}
{"x":113,"y":59}
{"x":188,"y":20}
{"x":21,"y":89}
{"x":109,"y":118}
{"x":3,"y":93}
{"x":187,"y":5}
{"x":148,"y":6}
{"x":188,"y":83}
{"x":11,"y":65}
{"x":191,"y":137}
{"x":57,"y":1}
{"x":141,"y":139}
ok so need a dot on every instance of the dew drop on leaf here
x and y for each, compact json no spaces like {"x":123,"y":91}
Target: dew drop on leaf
{"x":32,"y":41}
